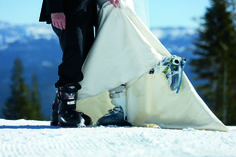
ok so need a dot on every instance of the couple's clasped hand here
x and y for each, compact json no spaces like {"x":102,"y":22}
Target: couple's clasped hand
{"x":59,"y":19}
{"x":114,"y":2}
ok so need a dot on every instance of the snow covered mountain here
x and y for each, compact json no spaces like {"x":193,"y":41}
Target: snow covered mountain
{"x":10,"y":33}
{"x":38,"y":48}
{"x":23,"y":138}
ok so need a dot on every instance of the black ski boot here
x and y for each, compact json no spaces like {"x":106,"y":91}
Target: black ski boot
{"x":54,"y":115}
{"x":65,"y":103}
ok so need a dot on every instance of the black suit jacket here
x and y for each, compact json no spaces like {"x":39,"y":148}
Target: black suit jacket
{"x":66,"y":6}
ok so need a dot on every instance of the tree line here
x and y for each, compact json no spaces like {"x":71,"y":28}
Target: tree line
{"x":214,"y":64}
{"x":23,"y":103}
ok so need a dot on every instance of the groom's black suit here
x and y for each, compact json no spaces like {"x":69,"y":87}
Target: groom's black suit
{"x":76,"y":39}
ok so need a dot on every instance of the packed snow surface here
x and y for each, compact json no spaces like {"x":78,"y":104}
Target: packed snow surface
{"x":37,"y":138}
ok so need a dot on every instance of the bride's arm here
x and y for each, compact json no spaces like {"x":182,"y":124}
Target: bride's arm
{"x":114,"y":2}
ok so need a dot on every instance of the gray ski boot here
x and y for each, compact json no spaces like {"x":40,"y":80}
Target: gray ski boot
{"x":173,"y":67}
{"x":118,"y":115}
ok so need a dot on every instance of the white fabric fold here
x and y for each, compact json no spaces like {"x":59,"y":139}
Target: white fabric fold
{"x":119,"y":54}
{"x":123,"y":52}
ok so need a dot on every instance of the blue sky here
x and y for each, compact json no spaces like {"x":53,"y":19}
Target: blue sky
{"x":176,"y":12}
{"x":162,"y":13}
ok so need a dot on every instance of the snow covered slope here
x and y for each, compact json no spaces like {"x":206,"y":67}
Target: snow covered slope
{"x":37,"y":138}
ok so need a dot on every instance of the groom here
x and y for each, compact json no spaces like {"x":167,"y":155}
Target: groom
{"x":72,"y":21}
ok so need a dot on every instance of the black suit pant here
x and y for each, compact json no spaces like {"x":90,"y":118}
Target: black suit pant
{"x":75,"y":41}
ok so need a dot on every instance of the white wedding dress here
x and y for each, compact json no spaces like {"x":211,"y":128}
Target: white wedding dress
{"x":124,"y":51}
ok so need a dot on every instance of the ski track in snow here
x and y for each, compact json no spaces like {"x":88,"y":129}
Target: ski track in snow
{"x":36,"y":138}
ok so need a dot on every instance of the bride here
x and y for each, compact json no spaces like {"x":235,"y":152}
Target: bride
{"x":117,"y":72}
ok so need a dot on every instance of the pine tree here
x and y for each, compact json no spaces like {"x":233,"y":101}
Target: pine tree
{"x":35,"y":100}
{"x":19,"y":105}
{"x":216,"y":49}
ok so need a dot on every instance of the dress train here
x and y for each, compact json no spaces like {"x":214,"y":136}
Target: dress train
{"x":123,"y":52}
